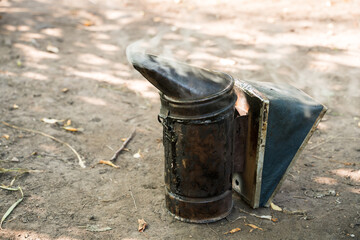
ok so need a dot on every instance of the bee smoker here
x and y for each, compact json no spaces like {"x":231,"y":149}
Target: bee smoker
{"x":211,"y":148}
{"x":197,"y":114}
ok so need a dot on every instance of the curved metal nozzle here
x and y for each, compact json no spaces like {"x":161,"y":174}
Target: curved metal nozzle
{"x":178,"y":80}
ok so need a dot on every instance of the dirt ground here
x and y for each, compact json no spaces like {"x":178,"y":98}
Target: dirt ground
{"x":66,"y":60}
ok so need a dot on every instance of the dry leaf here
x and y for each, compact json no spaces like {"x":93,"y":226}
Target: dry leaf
{"x":6,"y":136}
{"x":274,"y":219}
{"x":88,"y":23}
{"x":108,"y":163}
{"x":65,"y":90}
{"x":137,"y":155}
{"x":8,"y":212}
{"x":52,"y":49}
{"x":68,"y":123}
{"x":254,"y":227}
{"x":275,"y":207}
{"x":233,"y":231}
{"x":72,"y":129}
{"x":142,"y":225}
{"x":51,"y":120}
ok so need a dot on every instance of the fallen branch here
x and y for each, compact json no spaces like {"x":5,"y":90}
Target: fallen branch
{"x":81,"y":162}
{"x":117,"y":153}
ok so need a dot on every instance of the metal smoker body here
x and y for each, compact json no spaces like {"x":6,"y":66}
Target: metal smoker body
{"x":198,"y":143}
{"x":197,"y":114}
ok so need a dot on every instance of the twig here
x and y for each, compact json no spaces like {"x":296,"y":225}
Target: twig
{"x":12,"y":181}
{"x":117,"y":153}
{"x":212,"y":230}
{"x":344,"y":163}
{"x":296,"y":212}
{"x":109,"y":147}
{"x":267,"y":217}
{"x":323,"y":142}
{"x":317,"y":157}
{"x":133,"y":198}
{"x":81,"y":162}
{"x":332,"y":138}
{"x":241,"y":217}
{"x":18,"y":170}
{"x":299,"y":197}
{"x":84,"y":205}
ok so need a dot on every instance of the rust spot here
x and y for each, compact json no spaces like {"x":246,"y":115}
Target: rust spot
{"x":184,"y":163}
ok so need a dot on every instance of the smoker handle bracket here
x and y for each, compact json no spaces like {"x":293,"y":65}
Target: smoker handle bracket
{"x":169,"y":132}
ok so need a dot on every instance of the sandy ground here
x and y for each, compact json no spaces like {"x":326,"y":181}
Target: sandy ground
{"x":46,"y":46}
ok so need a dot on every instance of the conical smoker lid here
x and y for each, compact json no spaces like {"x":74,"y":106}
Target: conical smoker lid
{"x":281,"y":121}
{"x":180,"y":81}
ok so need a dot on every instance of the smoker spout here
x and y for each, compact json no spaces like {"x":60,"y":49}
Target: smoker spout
{"x":180,"y":81}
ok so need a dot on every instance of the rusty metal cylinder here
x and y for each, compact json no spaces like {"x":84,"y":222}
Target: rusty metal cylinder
{"x":197,"y":114}
{"x":198,"y":137}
